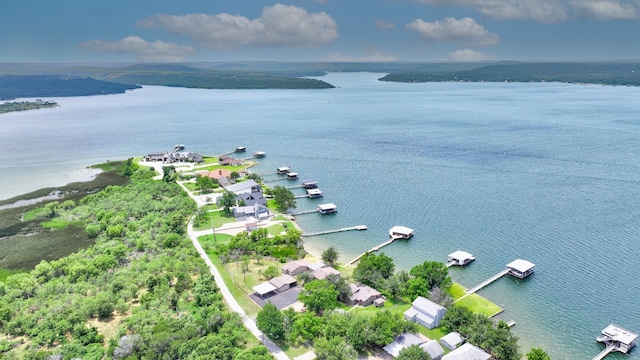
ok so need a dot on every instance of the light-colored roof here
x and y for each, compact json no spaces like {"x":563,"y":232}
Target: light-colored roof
{"x":401,"y":230}
{"x":264,"y":288}
{"x":314,"y":191}
{"x":327,"y":206}
{"x":241,"y":186}
{"x":521,"y":265}
{"x":617,"y":333}
{"x":427,"y":306}
{"x":401,"y":342}
{"x":452,"y":339}
{"x":322,"y":273}
{"x":293,"y":265}
{"x":467,"y":352}
{"x":460,"y":255}
{"x":282,"y":280}
{"x":432,"y":348}
{"x":360,"y":292}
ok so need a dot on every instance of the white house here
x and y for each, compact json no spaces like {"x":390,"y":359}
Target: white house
{"x":467,"y":352}
{"x":425,"y":312}
{"x":451,"y":341}
{"x":432,"y":348}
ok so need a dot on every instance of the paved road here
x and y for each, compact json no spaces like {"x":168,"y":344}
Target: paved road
{"x":230,"y":300}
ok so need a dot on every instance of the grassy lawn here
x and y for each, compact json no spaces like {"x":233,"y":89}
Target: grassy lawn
{"x":292,"y":351}
{"x":209,"y":242}
{"x":478,"y":304}
{"x":457,"y":291}
{"x":217,"y":218}
{"x":5,"y":273}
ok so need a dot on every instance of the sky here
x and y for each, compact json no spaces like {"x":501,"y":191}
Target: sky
{"x":81,"y":31}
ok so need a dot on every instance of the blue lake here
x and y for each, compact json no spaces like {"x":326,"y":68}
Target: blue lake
{"x":549,"y":173}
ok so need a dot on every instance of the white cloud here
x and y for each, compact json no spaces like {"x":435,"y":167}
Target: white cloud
{"x":465,"y":31}
{"x":469,"y":55}
{"x":385,"y":25}
{"x":547,"y":11}
{"x":606,"y":9}
{"x":278,"y":26}
{"x":159,"y":51}
{"x":370,"y":55}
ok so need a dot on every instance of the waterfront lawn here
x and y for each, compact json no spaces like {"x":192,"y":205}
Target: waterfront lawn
{"x":457,"y":291}
{"x":479,"y":305}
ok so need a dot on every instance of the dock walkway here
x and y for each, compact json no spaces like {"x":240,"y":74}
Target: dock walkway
{"x":488,"y":281}
{"x":375,"y":248}
{"x":304,"y":212}
{"x":609,"y":349}
{"x":350,"y":228}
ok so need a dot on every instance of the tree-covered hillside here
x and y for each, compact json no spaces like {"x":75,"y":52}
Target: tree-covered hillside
{"x":25,"y":86}
{"x":141,"y":292}
{"x":586,"y":73}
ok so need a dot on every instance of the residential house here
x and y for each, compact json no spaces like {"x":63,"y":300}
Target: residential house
{"x":283,"y":282}
{"x":256,"y":210}
{"x":432,"y":348}
{"x":425,"y":312}
{"x":451,"y":341}
{"x":363,"y":295}
{"x":402,"y":341}
{"x":323,"y":272}
{"x":467,"y":352}
{"x":295,"y":267}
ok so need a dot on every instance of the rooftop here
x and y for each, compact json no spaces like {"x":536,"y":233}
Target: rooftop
{"x":460,"y":255}
{"x":617,"y":333}
{"x":521,"y":265}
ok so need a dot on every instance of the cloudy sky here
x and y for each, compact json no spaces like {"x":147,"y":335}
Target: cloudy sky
{"x":318,"y":30}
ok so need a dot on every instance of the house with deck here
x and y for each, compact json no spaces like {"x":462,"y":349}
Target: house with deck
{"x":425,"y":312}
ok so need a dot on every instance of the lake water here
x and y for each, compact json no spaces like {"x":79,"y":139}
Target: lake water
{"x":549,"y":173}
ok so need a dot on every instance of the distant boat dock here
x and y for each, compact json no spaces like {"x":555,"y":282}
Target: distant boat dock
{"x":396,"y":233}
{"x":616,"y":339}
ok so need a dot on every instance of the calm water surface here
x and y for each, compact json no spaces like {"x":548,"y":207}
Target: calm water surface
{"x":544,"y":172}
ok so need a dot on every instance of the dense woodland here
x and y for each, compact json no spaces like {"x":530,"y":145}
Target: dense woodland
{"x":141,"y":292}
{"x":25,"y":86}
{"x":578,"y":73}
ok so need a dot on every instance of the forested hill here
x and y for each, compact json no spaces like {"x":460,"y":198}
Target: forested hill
{"x":24,"y":86}
{"x":228,"y":78}
{"x":585,"y":73}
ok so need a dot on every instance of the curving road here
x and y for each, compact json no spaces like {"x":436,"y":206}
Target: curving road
{"x":249,"y":323}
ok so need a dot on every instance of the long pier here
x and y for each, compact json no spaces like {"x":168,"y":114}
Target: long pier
{"x":359,"y":227}
{"x":609,"y":349}
{"x":304,"y":212}
{"x":488,"y":281}
{"x":375,"y":248}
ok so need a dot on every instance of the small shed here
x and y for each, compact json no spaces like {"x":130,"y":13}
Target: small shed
{"x":520,"y":268}
{"x":379,"y":302}
{"x":460,"y":258}
{"x":400,"y":232}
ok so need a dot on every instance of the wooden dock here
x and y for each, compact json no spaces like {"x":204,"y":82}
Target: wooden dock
{"x":305,"y":212}
{"x":375,"y":248}
{"x":350,"y":228}
{"x":488,"y":281}
{"x":609,"y":349}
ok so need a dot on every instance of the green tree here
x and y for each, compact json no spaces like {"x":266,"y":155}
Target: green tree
{"x":333,"y":349}
{"x":168,"y":173}
{"x":270,"y":272}
{"x":426,"y":277}
{"x":270,"y":321}
{"x":330,"y":255}
{"x":51,"y":209}
{"x":319,"y":296}
{"x":234,"y":175}
{"x":537,"y":354}
{"x":413,"y":352}
{"x":205,"y":183}
{"x":227,"y":201}
{"x":373,"y":269}
{"x":283,"y":198}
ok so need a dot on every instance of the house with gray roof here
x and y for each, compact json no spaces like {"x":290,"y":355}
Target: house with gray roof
{"x":425,"y":312}
{"x":467,"y":352}
{"x":283,"y":282}
{"x":451,"y":341}
{"x":295,"y":267}
{"x":432,"y":348}
{"x":402,"y":341}
{"x":323,"y":272}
